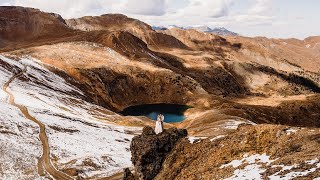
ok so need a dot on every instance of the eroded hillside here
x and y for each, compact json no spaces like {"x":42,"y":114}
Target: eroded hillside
{"x":74,"y":76}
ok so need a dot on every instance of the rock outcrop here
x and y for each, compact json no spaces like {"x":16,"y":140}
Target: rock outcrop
{"x":274,"y":151}
{"x":127,"y":174}
{"x":149,"y":150}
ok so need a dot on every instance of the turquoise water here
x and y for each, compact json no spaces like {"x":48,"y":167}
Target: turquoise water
{"x":171,"y":112}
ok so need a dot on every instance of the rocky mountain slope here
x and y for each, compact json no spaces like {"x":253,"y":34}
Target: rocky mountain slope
{"x":77,"y":131}
{"x":21,"y":27}
{"x":253,"y":152}
{"x":70,"y":78}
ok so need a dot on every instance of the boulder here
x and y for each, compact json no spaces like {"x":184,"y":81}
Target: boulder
{"x":149,"y":150}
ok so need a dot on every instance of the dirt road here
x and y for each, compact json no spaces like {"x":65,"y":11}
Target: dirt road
{"x":44,"y":163}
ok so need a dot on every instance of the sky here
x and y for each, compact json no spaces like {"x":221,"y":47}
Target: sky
{"x":270,"y":18}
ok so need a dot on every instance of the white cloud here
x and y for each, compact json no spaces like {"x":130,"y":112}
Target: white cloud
{"x":253,"y":20}
{"x":78,"y":8}
{"x":70,"y":8}
{"x":248,"y":17}
{"x":258,"y":14}
{"x":261,"y":6}
{"x":207,"y":8}
{"x":6,"y":3}
{"x":143,"y":7}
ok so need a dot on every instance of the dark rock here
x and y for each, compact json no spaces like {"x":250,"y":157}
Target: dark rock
{"x":148,"y":131}
{"x":150,"y":150}
{"x":128,"y":175}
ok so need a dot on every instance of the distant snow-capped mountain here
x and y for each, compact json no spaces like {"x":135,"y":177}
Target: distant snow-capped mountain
{"x":175,"y":26}
{"x":219,"y":30}
{"x":159,"y":28}
{"x":200,"y":28}
{"x":223,"y":31}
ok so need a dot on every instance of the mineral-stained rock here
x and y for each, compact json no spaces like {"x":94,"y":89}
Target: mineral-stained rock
{"x":149,"y":150}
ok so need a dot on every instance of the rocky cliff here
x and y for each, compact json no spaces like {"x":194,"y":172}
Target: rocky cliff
{"x":149,"y":150}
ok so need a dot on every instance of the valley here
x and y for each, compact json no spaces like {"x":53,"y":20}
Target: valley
{"x":66,"y":83}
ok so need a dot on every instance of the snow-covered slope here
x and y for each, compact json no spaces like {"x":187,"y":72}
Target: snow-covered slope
{"x":19,"y":144}
{"x":82,"y":140}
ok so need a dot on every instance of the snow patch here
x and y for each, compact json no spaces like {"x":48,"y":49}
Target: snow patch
{"x":19,"y":144}
{"x":250,"y":159}
{"x":232,"y":124}
{"x":292,"y":174}
{"x":10,"y":61}
{"x":193,"y":138}
{"x":4,"y":77}
{"x":217,"y":137}
{"x":234,"y":163}
{"x":312,"y":161}
{"x":290,"y":131}
{"x":251,"y":171}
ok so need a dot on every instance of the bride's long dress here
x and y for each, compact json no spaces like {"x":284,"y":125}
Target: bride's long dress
{"x":159,"y":127}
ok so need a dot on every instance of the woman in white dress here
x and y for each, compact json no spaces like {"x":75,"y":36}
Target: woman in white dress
{"x":159,"y":124}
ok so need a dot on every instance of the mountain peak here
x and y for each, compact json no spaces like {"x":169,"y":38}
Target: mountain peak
{"x":203,"y":28}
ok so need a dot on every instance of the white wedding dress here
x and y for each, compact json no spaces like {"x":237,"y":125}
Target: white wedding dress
{"x":158,"y":127}
{"x":159,"y":124}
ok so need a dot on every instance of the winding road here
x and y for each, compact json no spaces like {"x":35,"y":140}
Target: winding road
{"x":44,"y":163}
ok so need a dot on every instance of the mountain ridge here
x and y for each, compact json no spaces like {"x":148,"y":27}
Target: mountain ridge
{"x":249,"y":93}
{"x":217,"y":30}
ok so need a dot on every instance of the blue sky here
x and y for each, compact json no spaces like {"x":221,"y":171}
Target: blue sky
{"x":270,"y":18}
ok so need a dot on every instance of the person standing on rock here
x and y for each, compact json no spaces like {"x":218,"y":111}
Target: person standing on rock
{"x":159,"y":124}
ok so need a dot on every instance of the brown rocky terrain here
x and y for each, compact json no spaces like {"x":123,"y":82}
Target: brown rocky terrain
{"x":253,"y":152}
{"x":209,"y":158}
{"x":119,"y":22}
{"x":264,"y":151}
{"x":117,"y":66}
{"x":117,"y":62}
